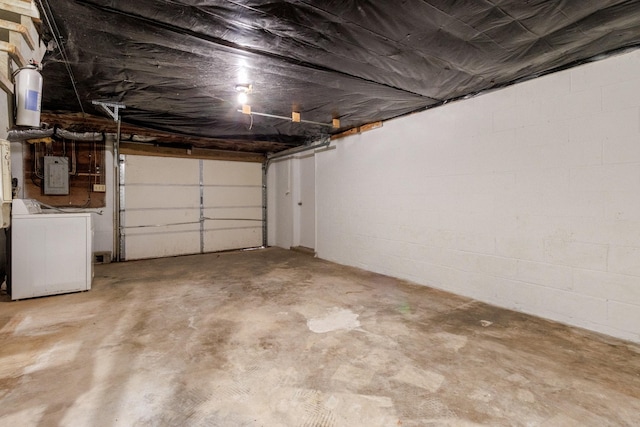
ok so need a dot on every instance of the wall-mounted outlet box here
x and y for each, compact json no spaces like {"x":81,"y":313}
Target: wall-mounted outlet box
{"x":99,"y":188}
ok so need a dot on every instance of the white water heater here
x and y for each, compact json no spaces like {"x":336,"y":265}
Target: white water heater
{"x":28,"y":90}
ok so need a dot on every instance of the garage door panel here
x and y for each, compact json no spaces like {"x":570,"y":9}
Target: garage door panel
{"x":230,"y":224}
{"x":232,"y":196}
{"x":232,"y":173}
{"x":162,"y":229}
{"x":162,"y":242}
{"x":163,"y":214}
{"x":136,"y":218}
{"x":236,"y":213}
{"x":225,"y":239}
{"x":161,"y":197}
{"x":161,"y":170}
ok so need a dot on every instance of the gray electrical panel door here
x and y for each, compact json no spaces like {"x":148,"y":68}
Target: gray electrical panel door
{"x":56,"y":175}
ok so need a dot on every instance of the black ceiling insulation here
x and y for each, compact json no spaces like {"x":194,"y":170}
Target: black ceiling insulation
{"x":175,"y":63}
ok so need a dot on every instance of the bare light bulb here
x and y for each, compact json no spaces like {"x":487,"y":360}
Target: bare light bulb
{"x":242,"y":98}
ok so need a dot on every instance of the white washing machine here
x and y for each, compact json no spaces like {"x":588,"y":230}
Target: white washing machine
{"x":51,"y":253}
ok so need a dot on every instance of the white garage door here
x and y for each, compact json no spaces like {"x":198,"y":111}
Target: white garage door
{"x":174,"y":206}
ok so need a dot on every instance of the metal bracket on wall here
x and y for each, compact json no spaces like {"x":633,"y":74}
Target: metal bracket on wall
{"x":110,"y":107}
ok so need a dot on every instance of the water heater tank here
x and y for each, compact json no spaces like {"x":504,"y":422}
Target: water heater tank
{"x":28,"y":90}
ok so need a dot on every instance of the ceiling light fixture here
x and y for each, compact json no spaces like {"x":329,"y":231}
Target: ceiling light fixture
{"x":243,"y":93}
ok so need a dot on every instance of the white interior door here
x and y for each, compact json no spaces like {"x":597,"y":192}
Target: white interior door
{"x":307,"y":202}
{"x":175,"y":206}
{"x":281,"y":207}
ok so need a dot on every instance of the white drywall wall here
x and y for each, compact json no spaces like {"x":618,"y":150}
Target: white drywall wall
{"x":527,"y":197}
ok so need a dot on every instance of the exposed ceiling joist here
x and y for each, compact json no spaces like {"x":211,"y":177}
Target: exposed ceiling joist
{"x":77,"y":122}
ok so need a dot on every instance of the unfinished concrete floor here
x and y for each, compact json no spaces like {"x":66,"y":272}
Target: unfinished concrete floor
{"x":278,"y":338}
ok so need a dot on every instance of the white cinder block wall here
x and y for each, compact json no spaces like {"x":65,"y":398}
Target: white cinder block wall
{"x":527,"y":197}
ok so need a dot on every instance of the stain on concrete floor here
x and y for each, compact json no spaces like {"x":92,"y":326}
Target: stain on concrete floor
{"x":278,"y":338}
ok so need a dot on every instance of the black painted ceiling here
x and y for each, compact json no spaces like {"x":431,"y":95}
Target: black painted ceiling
{"x":175,"y":63}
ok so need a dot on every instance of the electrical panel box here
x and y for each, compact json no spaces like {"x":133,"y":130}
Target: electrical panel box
{"x":56,"y":175}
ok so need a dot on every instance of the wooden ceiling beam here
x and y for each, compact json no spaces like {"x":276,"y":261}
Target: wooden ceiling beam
{"x":194,"y":153}
{"x":76,"y":122}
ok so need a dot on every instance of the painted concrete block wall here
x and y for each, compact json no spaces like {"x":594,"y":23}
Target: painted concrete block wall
{"x":527,"y":197}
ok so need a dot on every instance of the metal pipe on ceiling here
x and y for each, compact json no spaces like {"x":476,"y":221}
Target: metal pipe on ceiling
{"x":80,"y":136}
{"x":296,"y":150}
{"x":16,"y":135}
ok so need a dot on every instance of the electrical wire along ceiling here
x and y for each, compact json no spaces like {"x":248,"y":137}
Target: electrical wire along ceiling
{"x":179,"y":65}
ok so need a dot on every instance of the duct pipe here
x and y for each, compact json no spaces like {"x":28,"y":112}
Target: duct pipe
{"x":79,"y":136}
{"x":22,"y":135}
{"x":297,"y":150}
